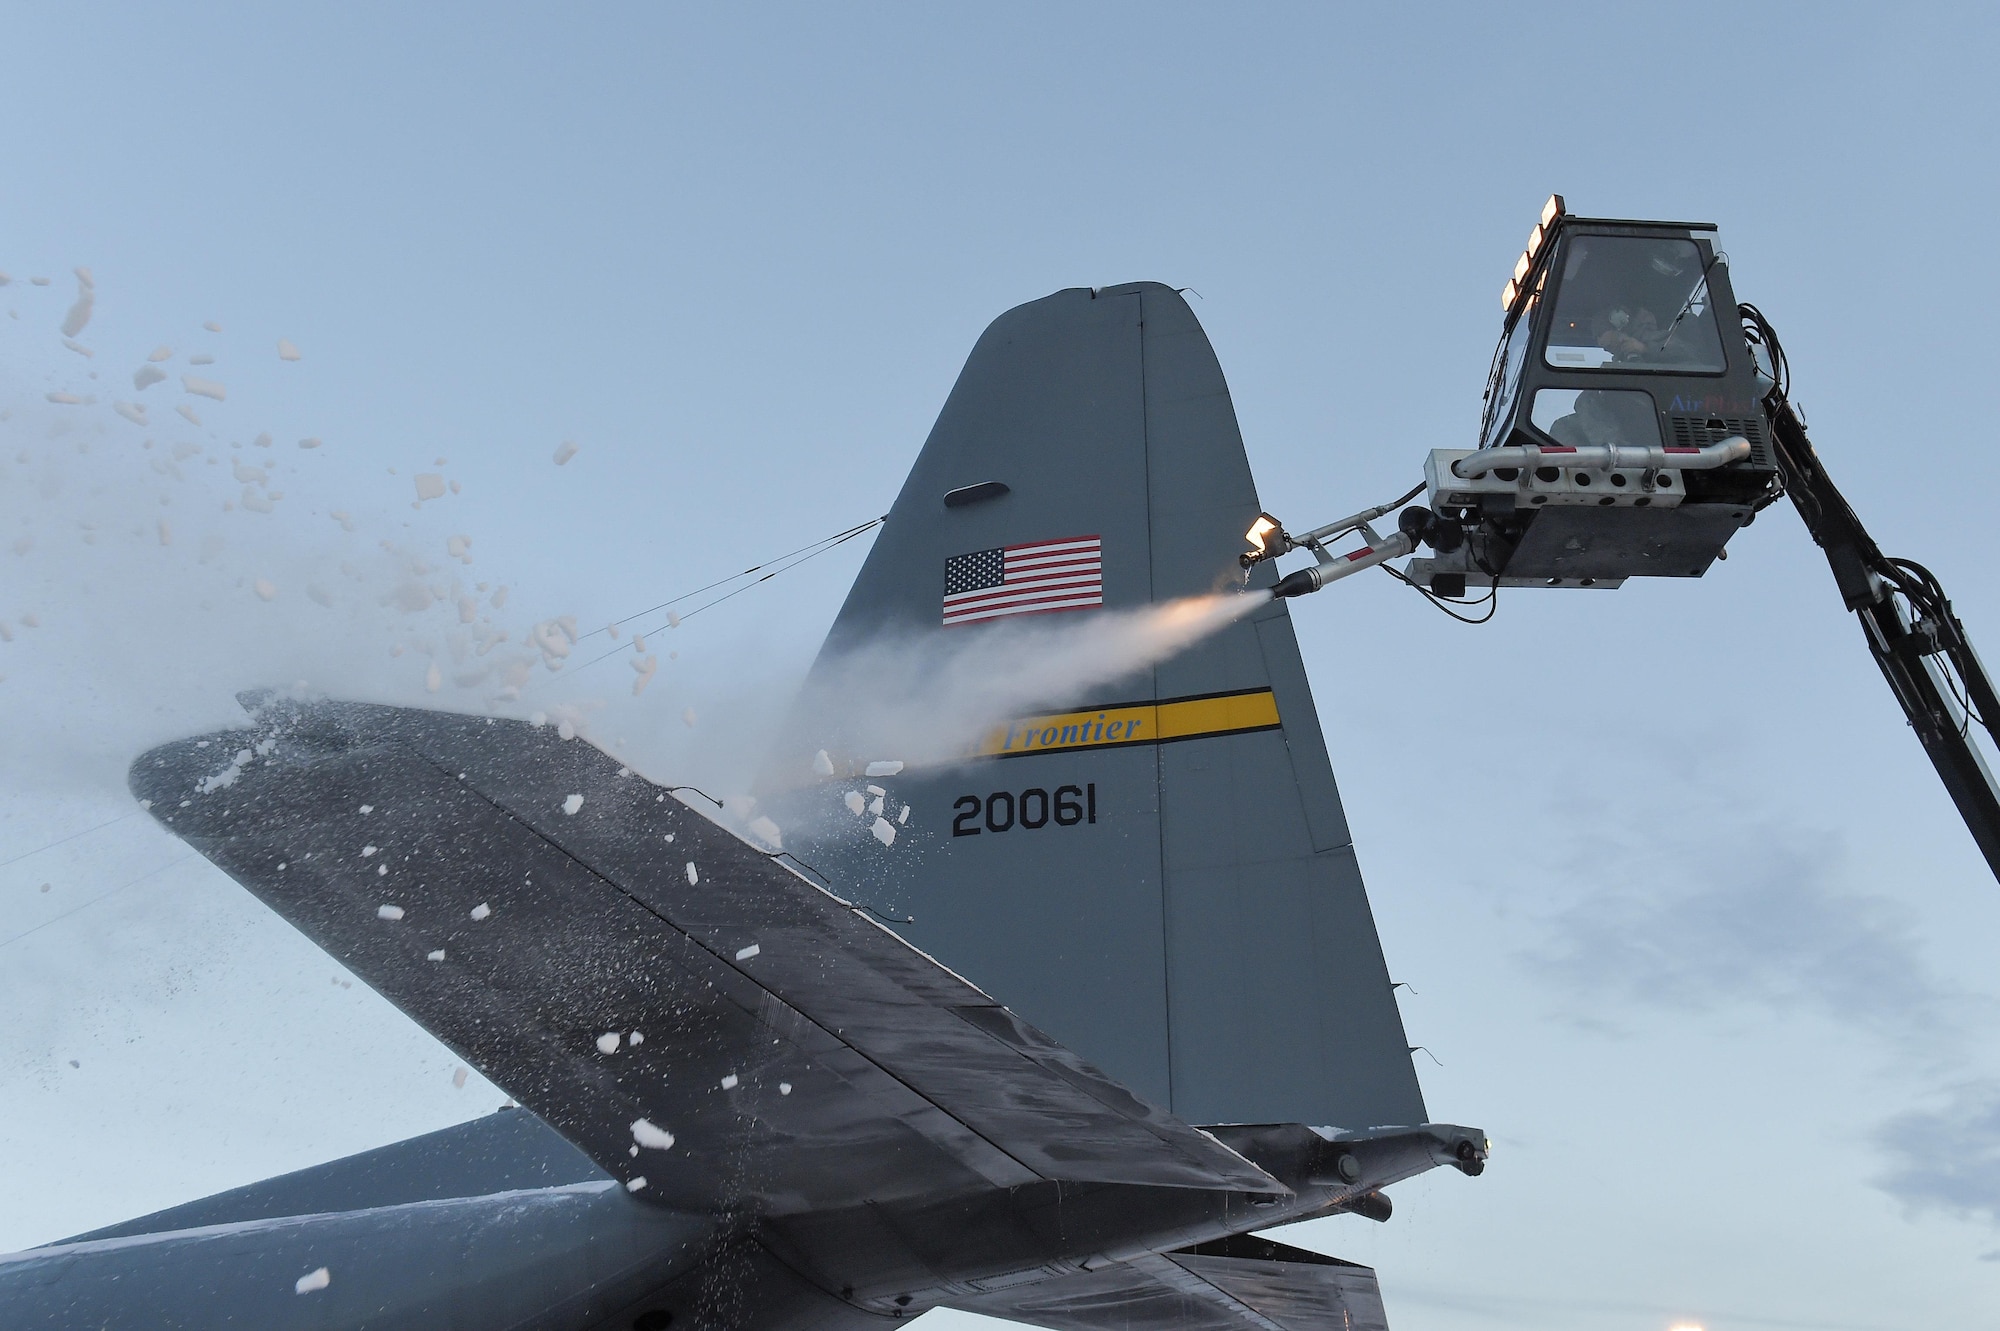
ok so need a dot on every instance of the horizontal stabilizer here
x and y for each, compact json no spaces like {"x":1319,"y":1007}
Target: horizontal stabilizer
{"x":683,"y":1008}
{"x":1241,"y":1283}
{"x":506,"y":1151}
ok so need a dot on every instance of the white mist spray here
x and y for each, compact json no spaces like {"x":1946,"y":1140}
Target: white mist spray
{"x":926,"y":698}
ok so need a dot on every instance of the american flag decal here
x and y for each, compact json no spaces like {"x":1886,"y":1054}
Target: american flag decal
{"x":1032,"y":579}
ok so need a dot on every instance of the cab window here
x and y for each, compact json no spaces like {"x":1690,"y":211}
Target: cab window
{"x":1633,"y":303}
{"x":1592,"y":416}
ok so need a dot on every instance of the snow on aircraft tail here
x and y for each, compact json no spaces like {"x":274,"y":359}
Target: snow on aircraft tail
{"x":1153,"y":868}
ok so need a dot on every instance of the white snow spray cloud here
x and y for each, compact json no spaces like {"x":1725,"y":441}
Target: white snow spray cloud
{"x":925,"y":698}
{"x":165,"y":543}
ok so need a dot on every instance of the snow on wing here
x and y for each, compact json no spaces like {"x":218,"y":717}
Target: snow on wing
{"x":906,"y":1081}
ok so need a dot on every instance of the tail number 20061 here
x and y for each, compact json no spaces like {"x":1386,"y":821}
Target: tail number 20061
{"x":1004,"y":810}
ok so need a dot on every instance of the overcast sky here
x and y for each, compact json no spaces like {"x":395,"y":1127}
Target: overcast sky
{"x":1692,"y":928}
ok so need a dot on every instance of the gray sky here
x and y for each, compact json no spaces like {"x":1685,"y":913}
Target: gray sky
{"x":1695,"y":934}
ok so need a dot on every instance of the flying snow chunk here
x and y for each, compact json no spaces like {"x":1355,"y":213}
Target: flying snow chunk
{"x":856,"y":805}
{"x":313,"y":1280}
{"x":266,"y":589}
{"x":201,"y":387}
{"x":146,"y":376}
{"x":481,"y":911}
{"x":644,"y":1133}
{"x":572,"y":804}
{"x":79,"y":313}
{"x":885,"y":831}
{"x":635,"y":1184}
{"x":883,"y":769}
{"x":565,"y":452}
{"x":430,"y":485}
{"x":434,"y":956}
{"x":286,"y":351}
{"x":693,"y":877}
{"x":388,"y":912}
{"x":607,"y":1043}
{"x":745,"y":953}
{"x":766,"y":831}
{"x":822,"y":765}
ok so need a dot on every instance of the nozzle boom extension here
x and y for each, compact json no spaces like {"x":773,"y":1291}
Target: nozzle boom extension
{"x":1332,"y":568}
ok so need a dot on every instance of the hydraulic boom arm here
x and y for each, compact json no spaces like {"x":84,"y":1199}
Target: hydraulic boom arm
{"x":1906,"y":619}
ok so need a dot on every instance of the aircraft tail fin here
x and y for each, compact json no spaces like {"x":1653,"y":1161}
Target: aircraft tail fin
{"x":1148,"y":857}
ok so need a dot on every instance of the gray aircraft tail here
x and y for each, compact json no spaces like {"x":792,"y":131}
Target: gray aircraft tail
{"x":1156,"y":869}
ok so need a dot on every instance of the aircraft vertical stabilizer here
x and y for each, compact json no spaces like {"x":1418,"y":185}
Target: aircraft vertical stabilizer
{"x":1155,"y":871}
